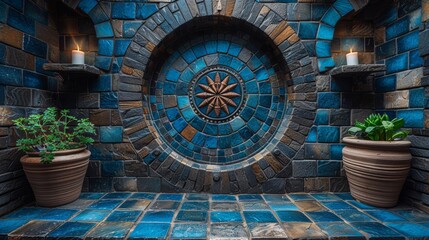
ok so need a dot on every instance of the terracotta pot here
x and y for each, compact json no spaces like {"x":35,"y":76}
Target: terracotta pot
{"x":59,"y":182}
{"x":376,"y":170}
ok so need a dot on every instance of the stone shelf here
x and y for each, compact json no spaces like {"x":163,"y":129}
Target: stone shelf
{"x":72,"y":69}
{"x":357,"y":70}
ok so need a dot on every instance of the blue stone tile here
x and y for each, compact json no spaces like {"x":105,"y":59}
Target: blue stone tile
{"x":292,"y":216}
{"x":111,"y":134}
{"x":386,"y":216}
{"x":110,"y":230}
{"x":21,"y":22}
{"x":261,"y":75}
{"x":150,"y":231}
{"x":312,"y":135}
{"x":123,"y":216}
{"x":27,"y":213}
{"x":158,"y":216}
{"x":109,"y":100}
{"x":198,"y":196}
{"x":337,"y":205}
{"x":143,"y":196}
{"x":247,"y":74}
{"x":409,"y":229}
{"x":9,"y":225}
{"x":336,"y":151}
{"x":34,"y":80}
{"x":103,"y":63}
{"x":200,"y":206}
{"x":324,"y":217}
{"x":325,"y":197}
{"x":72,"y":229}
{"x":234,"y":49}
{"x":116,"y":64}
{"x":413,"y":118}
{"x":300,"y":196}
{"x":308,"y":30}
{"x":87,"y":5}
{"x":323,"y":49}
{"x":415,"y":59}
{"x":340,"y":230}
{"x":229,"y":216}
{"x":325,"y":63}
{"x":211,"y":46}
{"x":385,"y":84}
{"x":250,"y":197}
{"x":135,"y":204}
{"x":398,"y":28}
{"x":222,"y":46}
{"x":318,"y":10}
{"x":117,"y":195}
{"x":98,"y":15}
{"x":223,"y":198}
{"x":104,"y":30}
{"x":326,"y":168}
{"x":121,"y":46}
{"x":417,"y":98}
{"x":189,"y":56}
{"x":91,"y":195}
{"x":105,"y":204}
{"x":36,"y":13}
{"x":259,"y":216}
{"x":353,"y":215}
{"x":328,"y":134}
{"x":58,"y":214}
{"x":276,"y":198}
{"x":408,"y":42}
{"x":190,"y":231}
{"x":331,"y":17}
{"x":3,"y":12}
{"x":91,"y":216}
{"x":322,"y":117}
{"x":325,"y":32}
{"x":287,"y":206}
{"x":170,"y":196}
{"x":102,"y":84}
{"x":172,"y":75}
{"x":18,"y":4}
{"x":376,"y":230}
{"x":328,"y":100}
{"x":343,"y":7}
{"x":385,"y":50}
{"x":35,"y":46}
{"x":129,"y":28}
{"x":361,"y":205}
{"x":344,"y":196}
{"x":357,"y":44}
{"x":237,"y":123}
{"x":191,"y":216}
{"x":145,"y":10}
{"x":413,"y":215}
{"x":123,"y":10}
{"x":310,"y":46}
{"x":388,"y":16}
{"x":105,"y":47}
{"x":112,"y":168}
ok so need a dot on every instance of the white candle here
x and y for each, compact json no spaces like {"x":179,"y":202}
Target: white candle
{"x":78,"y":57}
{"x":352,"y":58}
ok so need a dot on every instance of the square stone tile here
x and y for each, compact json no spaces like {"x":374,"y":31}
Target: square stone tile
{"x":78,"y":204}
{"x":325,"y":197}
{"x":198,"y":196}
{"x":9,"y":225}
{"x":27,"y":213}
{"x":117,"y":195}
{"x":413,"y":215}
{"x":228,"y":231}
{"x":135,"y":204}
{"x":303,"y":231}
{"x":410,"y":230}
{"x":340,"y":230}
{"x":105,"y":204}
{"x":91,"y":195}
{"x":195,"y":206}
{"x":226,"y":216}
{"x":224,"y":206}
{"x":259,"y":216}
{"x":143,"y":196}
{"x":300,"y":196}
{"x":267,"y":231}
{"x":189,"y":231}
{"x":58,"y":214}
{"x":36,"y":229}
{"x":223,"y":198}
{"x":360,"y":205}
{"x":111,"y":230}
{"x":353,"y":215}
{"x":292,"y":216}
{"x":75,"y":230}
{"x":158,"y":216}
{"x":150,"y":231}
{"x":386,"y":216}
{"x":287,"y":206}
{"x":249,"y":197}
{"x":344,"y":196}
{"x":170,"y":197}
{"x":276,"y":198}
{"x":91,"y":215}
{"x":374,"y":230}
{"x":123,"y":216}
{"x":310,"y":206}
{"x":191,"y":216}
{"x":324,"y":217}
{"x":254,"y":206}
{"x":165,"y":205}
{"x":338,"y":205}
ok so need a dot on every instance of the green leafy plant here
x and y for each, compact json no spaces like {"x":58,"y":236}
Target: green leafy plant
{"x":378,"y":127}
{"x":53,"y":131}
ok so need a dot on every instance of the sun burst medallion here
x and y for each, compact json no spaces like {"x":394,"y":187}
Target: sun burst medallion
{"x":217,"y":95}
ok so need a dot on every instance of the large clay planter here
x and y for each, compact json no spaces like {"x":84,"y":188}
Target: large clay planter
{"x":376,"y":170}
{"x":59,"y":182}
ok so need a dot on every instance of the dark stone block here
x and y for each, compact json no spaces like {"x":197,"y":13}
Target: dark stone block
{"x":398,"y":28}
{"x":149,"y":184}
{"x":112,"y":168}
{"x":98,"y":15}
{"x":34,"y":46}
{"x":385,"y":50}
{"x":128,"y":184}
{"x":316,"y":151}
{"x":294,"y":185}
{"x":109,"y":100}
{"x":397,"y":63}
{"x":35,"y":13}
{"x":16,"y":96}
{"x":34,"y":80}
{"x":100,"y":184}
{"x":21,"y":22}
{"x":304,"y":168}
{"x":408,"y":42}
{"x":10,"y":76}
{"x":123,"y":10}
{"x":87,"y":5}
{"x":339,"y":117}
{"x":145,"y":10}
{"x":88,"y":100}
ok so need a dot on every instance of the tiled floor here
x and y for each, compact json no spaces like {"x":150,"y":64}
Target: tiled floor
{"x":206,"y":216}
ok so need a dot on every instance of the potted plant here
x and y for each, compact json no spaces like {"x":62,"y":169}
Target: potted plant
{"x":377,"y":160}
{"x":56,"y":158}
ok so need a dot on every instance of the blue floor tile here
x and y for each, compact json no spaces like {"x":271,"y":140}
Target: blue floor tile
{"x":150,"y":231}
{"x":376,"y":230}
{"x":135,"y":204}
{"x":158,"y":216}
{"x":218,"y":216}
{"x":223,"y":198}
{"x":410,"y":229}
{"x":27,"y":213}
{"x":249,"y":197}
{"x":283,"y":206}
{"x":361,"y":205}
{"x":276,"y":198}
{"x":300,"y":196}
{"x":259,"y":216}
{"x":342,"y":230}
{"x":165,"y":205}
{"x":337,"y":205}
{"x":9,"y":225}
{"x":292,"y":216}
{"x":386,"y":216}
{"x":72,"y":229}
{"x":143,"y":196}
{"x":195,"y":206}
{"x":254,"y":206}
{"x":58,"y":214}
{"x":344,"y":196}
{"x":353,"y":215}
{"x":197,"y":196}
{"x":91,"y":216}
{"x":189,"y":231}
{"x":117,"y":195}
{"x":111,"y":230}
{"x":170,"y":196}
{"x":413,"y":215}
{"x":123,"y":216}
{"x":324,"y":217}
{"x":191,"y":216}
{"x":91,"y":195}
{"x":105,"y":204}
{"x":325,"y":197}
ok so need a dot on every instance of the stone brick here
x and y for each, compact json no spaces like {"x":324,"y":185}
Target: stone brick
{"x":21,"y":22}
{"x":128,"y":184}
{"x":398,"y":99}
{"x":135,"y":169}
{"x":11,"y":36}
{"x":409,"y":79}
{"x":316,"y":184}
{"x":88,"y":100}
{"x":112,"y":168}
{"x":111,"y":134}
{"x":100,"y":184}
{"x":7,"y":114}
{"x":100,"y":117}
{"x":294,"y":185}
{"x":316,"y":151}
{"x":304,"y":168}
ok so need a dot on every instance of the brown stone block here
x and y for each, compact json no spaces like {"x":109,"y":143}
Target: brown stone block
{"x":17,"y":96}
{"x":7,"y":114}
{"x":170,"y":101}
{"x":117,"y":27}
{"x":398,"y":99}
{"x":47,"y":34}
{"x":303,"y":231}
{"x":259,"y":173}
{"x":366,"y":58}
{"x":309,"y":206}
{"x":4,"y":131}
{"x":18,"y":58}
{"x":287,"y":33}
{"x":189,"y":132}
{"x":425,"y":10}
{"x":316,"y":184}
{"x":281,"y":26}
{"x":379,"y":35}
{"x":343,"y":29}
{"x":274,"y":163}
{"x":130,"y":104}
{"x":100,"y":117}
{"x":409,"y":79}
{"x":362,"y":28}
{"x":127,"y":70}
{"x":229,"y":8}
{"x":54,"y":54}
{"x":426,"y":118}
{"x":11,"y":36}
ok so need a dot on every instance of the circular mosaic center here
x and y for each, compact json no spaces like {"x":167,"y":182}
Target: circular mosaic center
{"x":217,"y":94}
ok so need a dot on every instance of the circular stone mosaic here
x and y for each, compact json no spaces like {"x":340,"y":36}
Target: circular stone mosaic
{"x":217,"y":94}
{"x":217,"y":100}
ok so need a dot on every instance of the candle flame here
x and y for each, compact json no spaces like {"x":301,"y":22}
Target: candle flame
{"x":77,"y":47}
{"x":351,"y":50}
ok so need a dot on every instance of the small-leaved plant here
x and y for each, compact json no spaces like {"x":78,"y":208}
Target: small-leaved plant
{"x":378,"y":127}
{"x":53,"y":131}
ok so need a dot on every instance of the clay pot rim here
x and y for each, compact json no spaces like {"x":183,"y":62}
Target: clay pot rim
{"x":370,"y":143}
{"x":58,"y":153}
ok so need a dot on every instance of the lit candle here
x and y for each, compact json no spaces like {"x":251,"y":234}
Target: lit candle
{"x":352,"y":58}
{"x":78,"y":57}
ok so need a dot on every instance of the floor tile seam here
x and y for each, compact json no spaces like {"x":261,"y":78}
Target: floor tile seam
{"x":172,"y":223}
{"x":137,"y":221}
